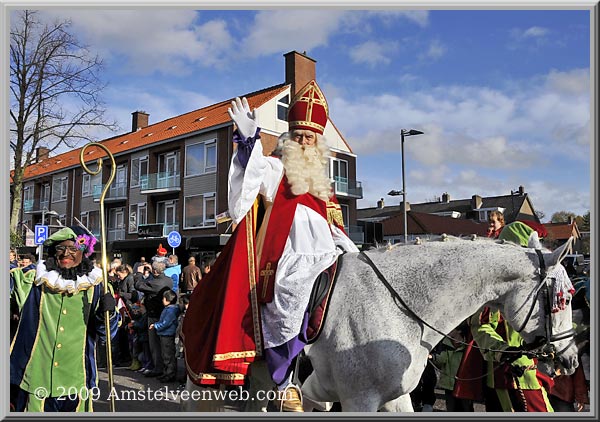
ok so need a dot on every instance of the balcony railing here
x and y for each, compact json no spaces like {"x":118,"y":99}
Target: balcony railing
{"x":115,"y":234}
{"x":163,"y":182}
{"x":168,"y":228}
{"x":35,"y":205}
{"x":117,"y":191}
{"x":356,"y":234}
{"x":346,"y":187}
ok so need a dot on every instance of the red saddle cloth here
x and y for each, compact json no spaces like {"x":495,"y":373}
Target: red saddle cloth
{"x":317,"y":316}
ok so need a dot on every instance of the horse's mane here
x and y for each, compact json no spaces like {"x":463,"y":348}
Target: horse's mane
{"x":443,"y":238}
{"x":432,"y":239}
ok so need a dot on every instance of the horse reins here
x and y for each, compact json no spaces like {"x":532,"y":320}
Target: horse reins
{"x":548,"y":349}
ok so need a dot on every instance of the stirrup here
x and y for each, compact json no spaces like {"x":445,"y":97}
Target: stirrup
{"x":291,"y":400}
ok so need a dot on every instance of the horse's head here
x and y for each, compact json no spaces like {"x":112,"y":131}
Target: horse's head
{"x":541,"y":311}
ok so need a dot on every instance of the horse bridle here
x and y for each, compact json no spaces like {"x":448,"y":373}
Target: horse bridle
{"x":542,"y":346}
{"x":544,"y":343}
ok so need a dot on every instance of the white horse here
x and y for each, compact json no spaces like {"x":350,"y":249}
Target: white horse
{"x":391,"y":306}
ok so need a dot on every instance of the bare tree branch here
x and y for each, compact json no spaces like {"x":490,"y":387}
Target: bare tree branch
{"x":55,"y":94}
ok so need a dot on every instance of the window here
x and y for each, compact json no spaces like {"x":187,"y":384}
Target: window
{"x":91,"y":219}
{"x":345,"y":211}
{"x":339,"y":169}
{"x":62,"y":219}
{"x":45,"y":200}
{"x":166,"y":214}
{"x":139,"y":170}
{"x":201,"y":158}
{"x":282,"y":108}
{"x":86,"y":185}
{"x":116,"y":224}
{"x":28,"y":201}
{"x":199,"y":211}
{"x":118,"y":189}
{"x":137,"y":216}
{"x":59,"y":188}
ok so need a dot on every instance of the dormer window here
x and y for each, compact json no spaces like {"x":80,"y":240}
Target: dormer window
{"x":283,"y":105}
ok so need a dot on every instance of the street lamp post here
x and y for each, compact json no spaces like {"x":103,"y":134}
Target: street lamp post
{"x":404,"y":133}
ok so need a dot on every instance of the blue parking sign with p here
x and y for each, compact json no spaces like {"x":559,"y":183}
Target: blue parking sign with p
{"x":41,"y":234}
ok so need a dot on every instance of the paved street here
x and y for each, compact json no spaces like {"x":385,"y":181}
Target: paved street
{"x":138,"y":393}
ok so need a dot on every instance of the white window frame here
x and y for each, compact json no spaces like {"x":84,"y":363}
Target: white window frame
{"x":206,"y":223}
{"x":140,"y":160}
{"x":86,"y":180}
{"x":209,"y":143}
{"x":139,"y":207}
{"x":283,"y":104}
{"x":63,"y":186}
{"x":28,"y":193}
{"x":45,"y":194}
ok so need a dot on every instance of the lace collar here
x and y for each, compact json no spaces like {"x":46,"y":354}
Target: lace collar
{"x":55,"y":282}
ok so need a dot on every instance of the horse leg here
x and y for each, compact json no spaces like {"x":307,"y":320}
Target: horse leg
{"x":361,"y":403}
{"x":260,"y":380}
{"x":400,"y":404}
{"x":314,"y":396}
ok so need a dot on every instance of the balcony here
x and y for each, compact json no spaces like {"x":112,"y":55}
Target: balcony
{"x":356,"y":234}
{"x":348,"y":188}
{"x":35,"y":206}
{"x":168,"y":228}
{"x":116,"y":192}
{"x":160,"y":183}
{"x":113,"y":234}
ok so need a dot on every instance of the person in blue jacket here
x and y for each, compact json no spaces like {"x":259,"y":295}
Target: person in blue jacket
{"x":166,"y":328}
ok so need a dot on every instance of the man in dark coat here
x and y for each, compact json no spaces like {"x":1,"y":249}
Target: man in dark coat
{"x":153,"y":291}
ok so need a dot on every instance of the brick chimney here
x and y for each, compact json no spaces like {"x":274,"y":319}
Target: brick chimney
{"x":476,"y":202}
{"x":445,"y":197}
{"x":299,"y":70}
{"x":380,"y":204}
{"x":521,"y":190}
{"x":41,"y":153}
{"x":139,"y":120}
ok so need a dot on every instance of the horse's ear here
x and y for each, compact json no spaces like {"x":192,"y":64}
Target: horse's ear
{"x":559,"y":253}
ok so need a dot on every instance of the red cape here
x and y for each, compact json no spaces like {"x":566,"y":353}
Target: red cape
{"x":221,"y":330}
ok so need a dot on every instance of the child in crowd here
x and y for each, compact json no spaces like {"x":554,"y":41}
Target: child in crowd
{"x":140,"y":326}
{"x":166,"y":328}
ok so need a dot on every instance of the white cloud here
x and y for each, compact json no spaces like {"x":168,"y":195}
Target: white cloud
{"x":149,"y":40}
{"x":282,"y":30}
{"x":572,"y":82}
{"x":373,"y":52}
{"x":534,"y":31}
{"x":435,"y":51}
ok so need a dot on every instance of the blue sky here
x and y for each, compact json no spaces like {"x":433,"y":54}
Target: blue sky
{"x":502,"y":96}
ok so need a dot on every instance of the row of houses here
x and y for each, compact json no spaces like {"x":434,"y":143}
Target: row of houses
{"x":460,"y":217}
{"x":172,"y":176}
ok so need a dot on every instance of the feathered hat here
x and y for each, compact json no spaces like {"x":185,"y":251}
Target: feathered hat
{"x":82,"y":239}
{"x":308,"y":109}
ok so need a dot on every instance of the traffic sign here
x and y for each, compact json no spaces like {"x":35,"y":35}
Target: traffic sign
{"x":41,"y":234}
{"x":174,"y":239}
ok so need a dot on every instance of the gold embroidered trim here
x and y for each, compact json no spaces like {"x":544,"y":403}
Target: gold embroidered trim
{"x":250,"y":233}
{"x":213,"y":376}
{"x":234,"y":355}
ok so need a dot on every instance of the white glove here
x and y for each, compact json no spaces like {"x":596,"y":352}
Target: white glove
{"x":244,"y":119}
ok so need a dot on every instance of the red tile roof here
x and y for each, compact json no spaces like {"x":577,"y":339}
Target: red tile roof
{"x":193,"y":121}
{"x":561,"y":231}
{"x":422,"y":223}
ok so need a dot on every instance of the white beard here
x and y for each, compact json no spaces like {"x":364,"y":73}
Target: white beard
{"x":306,"y":168}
